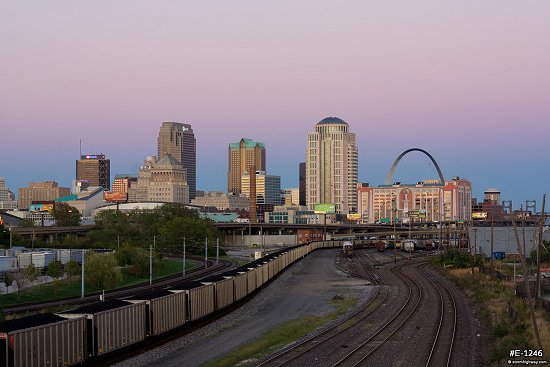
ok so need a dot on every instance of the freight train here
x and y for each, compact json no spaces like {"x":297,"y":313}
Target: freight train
{"x":87,"y":333}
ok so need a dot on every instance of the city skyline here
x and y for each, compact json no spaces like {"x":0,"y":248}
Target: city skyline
{"x":466,"y":82}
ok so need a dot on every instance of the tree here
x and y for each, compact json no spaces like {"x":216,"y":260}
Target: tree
{"x":136,"y":258}
{"x":31,"y":273}
{"x":65,"y":215}
{"x":25,"y":276}
{"x":175,"y":210}
{"x":8,"y":280}
{"x":102,"y":271}
{"x":73,"y":269}
{"x":55,"y":270}
{"x":194,"y":230}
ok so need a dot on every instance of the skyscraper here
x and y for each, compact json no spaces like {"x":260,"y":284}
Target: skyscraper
{"x":161,"y":180}
{"x":332,"y":166}
{"x":241,"y":156}
{"x":267,"y":187}
{"x":302,"y":181}
{"x":95,"y":169}
{"x":179,"y":141}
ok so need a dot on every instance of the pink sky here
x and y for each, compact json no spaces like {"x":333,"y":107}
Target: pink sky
{"x":467,"y":81}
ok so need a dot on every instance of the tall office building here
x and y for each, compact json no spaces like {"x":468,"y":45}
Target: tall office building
{"x":179,"y":141}
{"x":492,"y":196}
{"x":241,"y":156}
{"x":266,"y":187}
{"x":40,"y":191}
{"x":123,"y":182}
{"x":7,"y":198}
{"x":95,"y":169}
{"x":161,"y":180}
{"x":332,"y":166}
{"x":302,"y":185}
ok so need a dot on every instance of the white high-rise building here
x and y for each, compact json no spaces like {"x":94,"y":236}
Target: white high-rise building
{"x":332,"y":166}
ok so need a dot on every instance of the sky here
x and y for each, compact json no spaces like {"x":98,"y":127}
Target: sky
{"x":468,"y":81}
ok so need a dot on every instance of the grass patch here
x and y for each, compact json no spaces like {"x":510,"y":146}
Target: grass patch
{"x":282,"y":335}
{"x":508,"y":314}
{"x":72,"y":288}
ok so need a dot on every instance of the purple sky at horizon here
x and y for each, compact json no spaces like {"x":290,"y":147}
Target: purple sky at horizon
{"x":467,"y":81}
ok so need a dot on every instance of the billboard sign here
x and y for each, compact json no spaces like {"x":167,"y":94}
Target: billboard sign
{"x":41,"y":207}
{"x":354,"y":216}
{"x":324,"y":208}
{"x":479,"y":215}
{"x":416,"y":213}
{"x":115,"y":196}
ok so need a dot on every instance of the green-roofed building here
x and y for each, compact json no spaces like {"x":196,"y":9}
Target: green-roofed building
{"x":241,"y":156}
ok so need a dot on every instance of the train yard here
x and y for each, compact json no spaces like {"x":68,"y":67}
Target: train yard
{"x":406,"y":313}
{"x":412,"y":320}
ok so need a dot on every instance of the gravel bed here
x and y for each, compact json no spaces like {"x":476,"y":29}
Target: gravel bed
{"x":303,"y":289}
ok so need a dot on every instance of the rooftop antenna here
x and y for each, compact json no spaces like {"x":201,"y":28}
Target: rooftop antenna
{"x":80,"y":148}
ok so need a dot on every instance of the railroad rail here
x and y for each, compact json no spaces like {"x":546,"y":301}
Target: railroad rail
{"x":447,"y":304}
{"x":318,"y":340}
{"x":357,"y":356}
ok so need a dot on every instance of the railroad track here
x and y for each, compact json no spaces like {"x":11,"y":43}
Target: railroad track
{"x":193,"y":274}
{"x":365,"y":349}
{"x":307,"y":346}
{"x":357,"y":268}
{"x":441,"y":352}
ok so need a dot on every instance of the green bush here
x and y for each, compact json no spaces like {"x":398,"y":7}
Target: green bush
{"x":501,"y":330}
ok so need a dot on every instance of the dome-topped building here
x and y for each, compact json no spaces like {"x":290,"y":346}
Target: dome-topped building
{"x":332,"y":120}
{"x":330,"y":125}
{"x":332,"y":166}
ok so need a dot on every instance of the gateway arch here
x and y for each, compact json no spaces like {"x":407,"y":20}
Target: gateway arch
{"x":394,"y":166}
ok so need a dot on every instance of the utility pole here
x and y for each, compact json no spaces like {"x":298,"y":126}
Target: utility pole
{"x":394,"y":233}
{"x":217,"y":249}
{"x":206,"y":252}
{"x":471,"y":251}
{"x":492,"y":241}
{"x":526,"y":281}
{"x":539,"y":244}
{"x":82,"y":286}
{"x":183,"y":256}
{"x":440,"y":245}
{"x":150,"y":263}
